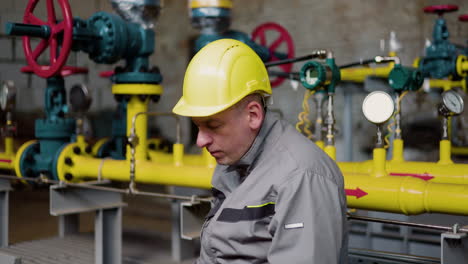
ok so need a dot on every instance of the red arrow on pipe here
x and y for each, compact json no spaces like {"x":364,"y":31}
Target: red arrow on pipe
{"x":356,"y":192}
{"x":423,"y":176}
{"x":5,"y":160}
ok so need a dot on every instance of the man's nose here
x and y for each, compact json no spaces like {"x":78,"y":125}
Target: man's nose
{"x":203,"y":139}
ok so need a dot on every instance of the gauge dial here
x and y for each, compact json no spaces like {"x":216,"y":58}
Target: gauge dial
{"x":453,"y":102}
{"x":378,"y":107}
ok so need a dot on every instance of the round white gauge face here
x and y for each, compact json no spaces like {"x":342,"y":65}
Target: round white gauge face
{"x":378,"y":107}
{"x":453,"y":101}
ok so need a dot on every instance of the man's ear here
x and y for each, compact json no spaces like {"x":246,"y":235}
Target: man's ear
{"x":255,"y":115}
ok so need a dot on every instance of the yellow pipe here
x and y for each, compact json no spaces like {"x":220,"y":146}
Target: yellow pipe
{"x":359,"y":74}
{"x":204,"y":159}
{"x":320,"y":144}
{"x":379,"y":161}
{"x":135,"y":106}
{"x":7,"y":158}
{"x":397,"y":155}
{"x":9,"y":145}
{"x":447,"y":84}
{"x":445,"y":152}
{"x":331,"y":151}
{"x":459,"y":150}
{"x":391,"y":194}
{"x":97,"y":146}
{"x":147,"y":172}
{"x":81,"y":142}
{"x":406,"y":195}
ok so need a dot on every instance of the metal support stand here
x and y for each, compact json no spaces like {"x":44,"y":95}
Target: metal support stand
{"x":69,"y":224}
{"x":68,"y":202}
{"x":5,"y":188}
{"x":183,"y":248}
{"x":454,"y":248}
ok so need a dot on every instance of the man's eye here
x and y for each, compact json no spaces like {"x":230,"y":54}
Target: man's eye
{"x":213,"y":126}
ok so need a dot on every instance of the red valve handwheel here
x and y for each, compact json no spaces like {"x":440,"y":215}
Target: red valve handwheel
{"x":64,"y":71}
{"x":463,"y":18}
{"x":440,"y":9}
{"x":58,"y":51}
{"x":259,"y":36}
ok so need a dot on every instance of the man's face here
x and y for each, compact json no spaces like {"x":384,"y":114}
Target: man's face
{"x":226,"y":135}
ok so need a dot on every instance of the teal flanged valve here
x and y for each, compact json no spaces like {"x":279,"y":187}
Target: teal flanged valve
{"x":53,"y":133}
{"x":315,"y":75}
{"x":441,"y":56}
{"x":213,"y":19}
{"x":107,"y":38}
{"x":403,"y":78}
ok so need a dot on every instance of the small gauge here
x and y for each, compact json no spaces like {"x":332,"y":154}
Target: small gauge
{"x":378,"y":107}
{"x":452,"y":103}
{"x":7,"y":95}
{"x":80,"y":98}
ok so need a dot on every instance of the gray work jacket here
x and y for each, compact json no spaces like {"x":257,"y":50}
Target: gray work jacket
{"x":282,"y":203}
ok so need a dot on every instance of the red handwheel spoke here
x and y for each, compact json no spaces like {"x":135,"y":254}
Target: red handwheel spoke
{"x":53,"y":50}
{"x":32,"y":19}
{"x":276,"y":43}
{"x":39,"y":49}
{"x":51,"y":18}
{"x":58,"y":28}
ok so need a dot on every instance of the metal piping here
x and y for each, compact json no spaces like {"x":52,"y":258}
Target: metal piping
{"x":316,"y":54}
{"x":133,"y":140}
{"x":89,"y":185}
{"x":455,"y":228}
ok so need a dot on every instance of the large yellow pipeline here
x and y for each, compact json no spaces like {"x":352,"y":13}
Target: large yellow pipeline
{"x":149,"y":172}
{"x":406,"y":195}
{"x":372,"y":191}
{"x":443,"y":171}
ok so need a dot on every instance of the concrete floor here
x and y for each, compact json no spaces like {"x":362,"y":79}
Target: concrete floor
{"x":146,"y":226}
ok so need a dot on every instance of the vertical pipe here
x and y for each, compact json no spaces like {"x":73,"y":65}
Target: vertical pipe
{"x":178,"y":154}
{"x":136,"y":105}
{"x":398,"y":150}
{"x":9,"y":146}
{"x":444,"y":152}
{"x":379,"y":161}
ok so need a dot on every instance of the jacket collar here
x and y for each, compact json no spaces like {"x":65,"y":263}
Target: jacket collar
{"x":237,"y":172}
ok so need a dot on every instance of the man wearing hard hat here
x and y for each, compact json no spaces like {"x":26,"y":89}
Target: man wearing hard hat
{"x":278,"y":198}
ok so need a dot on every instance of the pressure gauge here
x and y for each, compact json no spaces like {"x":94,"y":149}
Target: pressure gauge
{"x":378,"y":107}
{"x":452,"y":103}
{"x":7,"y":95}
{"x":80,"y":98}
{"x":315,"y":74}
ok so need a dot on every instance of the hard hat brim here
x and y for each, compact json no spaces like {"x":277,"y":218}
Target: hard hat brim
{"x":184,"y":109}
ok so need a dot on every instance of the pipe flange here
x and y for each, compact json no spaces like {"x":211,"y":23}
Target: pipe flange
{"x":461,"y":61}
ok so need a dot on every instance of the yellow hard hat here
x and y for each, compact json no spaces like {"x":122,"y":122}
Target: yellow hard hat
{"x":219,"y":76}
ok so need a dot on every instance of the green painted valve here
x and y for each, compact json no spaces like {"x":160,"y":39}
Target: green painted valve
{"x":405,"y":78}
{"x":315,"y":75}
